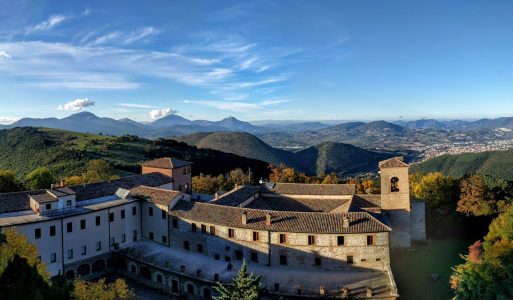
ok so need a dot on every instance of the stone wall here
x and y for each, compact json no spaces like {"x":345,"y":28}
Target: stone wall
{"x":418,"y":220}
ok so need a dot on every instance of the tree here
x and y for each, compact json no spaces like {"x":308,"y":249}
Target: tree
{"x":100,"y":290}
{"x":237,"y":177}
{"x":204,"y":184}
{"x":40,"y":178}
{"x":97,"y":170}
{"x":8,"y":182}
{"x":435,"y":188}
{"x":13,"y":243}
{"x":476,"y":199}
{"x":331,"y":178}
{"x":244,"y":286}
{"x":20,"y":280}
{"x":72,"y":180}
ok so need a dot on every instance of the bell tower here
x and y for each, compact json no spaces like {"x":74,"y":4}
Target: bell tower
{"x":395,"y":186}
{"x":395,"y":199}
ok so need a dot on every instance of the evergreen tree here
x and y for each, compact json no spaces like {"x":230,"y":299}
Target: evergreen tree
{"x":22,"y":281}
{"x":40,"y":178}
{"x":243,"y":287}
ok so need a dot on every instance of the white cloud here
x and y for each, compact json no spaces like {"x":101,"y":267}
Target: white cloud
{"x":4,"y":55}
{"x":120,"y":37}
{"x":7,"y":120}
{"x":48,"y":24}
{"x":239,"y":106}
{"x":160,"y":113}
{"x":136,"y":105}
{"x":77,"y":104}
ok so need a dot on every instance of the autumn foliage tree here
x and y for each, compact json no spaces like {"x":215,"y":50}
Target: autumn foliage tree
{"x":434,"y":188}
{"x":40,"y":178}
{"x":101,"y":290}
{"x":476,"y":199}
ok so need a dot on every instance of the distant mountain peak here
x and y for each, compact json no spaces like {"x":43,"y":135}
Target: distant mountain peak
{"x":84,"y":115}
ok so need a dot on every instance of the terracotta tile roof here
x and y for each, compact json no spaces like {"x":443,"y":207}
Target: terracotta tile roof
{"x":106,"y":188}
{"x":155,"y":195}
{"x":394,"y":162}
{"x":237,"y":196}
{"x":311,"y":189}
{"x":43,"y":197}
{"x":282,"y":221}
{"x":17,"y":201}
{"x":166,"y":163}
{"x":291,"y":204}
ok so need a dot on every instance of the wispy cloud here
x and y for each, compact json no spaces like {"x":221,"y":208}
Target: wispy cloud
{"x":48,"y":24}
{"x":160,"y":113}
{"x":240,"y":106}
{"x":77,"y":104}
{"x":120,"y":37}
{"x":4,"y":55}
{"x":136,"y":105}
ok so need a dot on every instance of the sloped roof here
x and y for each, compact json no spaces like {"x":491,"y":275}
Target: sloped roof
{"x":394,"y":162}
{"x":291,"y":204}
{"x":311,"y":189}
{"x":155,"y":195}
{"x":237,"y":196}
{"x":17,"y":201}
{"x":166,"y":163}
{"x":45,"y":197}
{"x":282,"y":221}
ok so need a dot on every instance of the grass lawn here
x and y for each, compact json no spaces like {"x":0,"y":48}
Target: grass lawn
{"x":412,"y":269}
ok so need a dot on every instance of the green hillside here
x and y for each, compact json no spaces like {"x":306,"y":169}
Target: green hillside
{"x":336,"y":157}
{"x":320,"y":159}
{"x":66,"y":153}
{"x":240,"y":143}
{"x":498,"y":164}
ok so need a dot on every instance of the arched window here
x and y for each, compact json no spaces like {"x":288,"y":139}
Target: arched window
{"x":98,"y":266}
{"x":145,"y":273}
{"x":83,"y":270}
{"x":394,"y":184}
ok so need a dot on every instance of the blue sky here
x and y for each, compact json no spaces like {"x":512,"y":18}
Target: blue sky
{"x":300,"y":60}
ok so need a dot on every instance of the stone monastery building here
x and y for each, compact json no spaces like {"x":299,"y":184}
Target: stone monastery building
{"x":305,"y":240}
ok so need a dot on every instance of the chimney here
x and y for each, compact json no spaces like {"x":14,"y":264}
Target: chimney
{"x":268,"y":219}
{"x":62,"y":182}
{"x":369,"y":292}
{"x":345,"y":222}
{"x":216,"y":195}
{"x":51,"y":186}
{"x":244,"y":218}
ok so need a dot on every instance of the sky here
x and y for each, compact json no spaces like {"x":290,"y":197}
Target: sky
{"x":258,"y":60}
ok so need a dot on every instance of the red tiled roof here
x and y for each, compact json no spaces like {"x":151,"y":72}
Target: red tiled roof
{"x":155,"y":195}
{"x":166,"y":163}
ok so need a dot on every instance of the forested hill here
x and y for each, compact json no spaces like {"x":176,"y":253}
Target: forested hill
{"x":66,"y":153}
{"x":498,"y":164}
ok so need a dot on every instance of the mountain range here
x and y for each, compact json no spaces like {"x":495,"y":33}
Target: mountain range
{"x":381,"y":135}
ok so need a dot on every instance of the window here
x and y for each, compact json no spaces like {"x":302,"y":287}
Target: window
{"x":276,"y":287}
{"x":133,"y":269}
{"x":122,"y":214}
{"x":97,"y":220}
{"x":164,"y":239}
{"x":163,"y":214}
{"x":37,"y":233}
{"x":134,"y":235}
{"x":206,"y":293}
{"x":111,"y":217}
{"x":283,"y":260}
{"x":216,"y":277}
{"x":350,"y":259}
{"x":68,"y":203}
{"x":52,"y":230}
{"x":186,"y":245}
{"x":193,"y":227}
{"x":212,"y":230}
{"x":340,"y":240}
{"x":113,"y":241}
{"x":238,"y":254}
{"x":283,"y":238}
{"x":256,"y":236}
{"x":370,"y":240}
{"x":190,"y":288}
{"x":53,"y":257}
{"x":317,"y":261}
{"x":311,"y":240}
{"x":216,"y":256}
{"x":175,"y":223}
{"x":70,"y":253}
{"x":174,"y":286}
{"x":98,"y":246}
{"x":159,"y":278}
{"x":184,"y":171}
{"x":394,"y":184}
{"x":254,"y":256}
{"x":200,"y":248}
{"x":151,"y":236}
{"x":83,"y":250}
{"x":203,"y":228}
{"x":48,"y":206}
{"x":150,"y":211}
{"x":82,"y":224}
{"x":123,"y":238}
{"x":231,"y":232}
{"x":69,"y":227}
{"x":134,"y":211}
